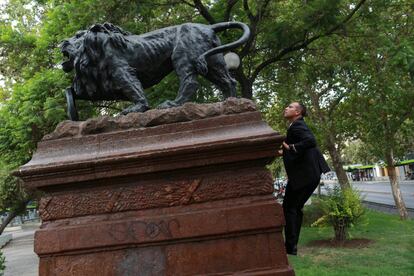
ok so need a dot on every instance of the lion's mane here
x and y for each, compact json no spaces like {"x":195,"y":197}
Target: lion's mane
{"x":93,"y":68}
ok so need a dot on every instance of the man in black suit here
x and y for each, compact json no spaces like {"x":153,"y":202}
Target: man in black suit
{"x":304,"y":165}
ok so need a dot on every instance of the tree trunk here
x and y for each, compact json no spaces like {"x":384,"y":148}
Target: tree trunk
{"x":395,"y":186}
{"x":246,"y":85}
{"x":341,"y":231}
{"x":247,"y":91}
{"x":21,"y":207}
{"x":338,"y":165}
{"x":11,"y":215}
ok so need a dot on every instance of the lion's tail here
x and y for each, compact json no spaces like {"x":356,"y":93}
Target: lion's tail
{"x":219,"y":27}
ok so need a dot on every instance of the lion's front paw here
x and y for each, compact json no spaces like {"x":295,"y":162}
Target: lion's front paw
{"x":135,"y":108}
{"x":167,"y":104}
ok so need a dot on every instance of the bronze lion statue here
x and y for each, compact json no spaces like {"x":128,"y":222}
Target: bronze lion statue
{"x":112,"y":64}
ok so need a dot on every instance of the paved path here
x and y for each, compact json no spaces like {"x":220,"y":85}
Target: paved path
{"x":20,"y":258}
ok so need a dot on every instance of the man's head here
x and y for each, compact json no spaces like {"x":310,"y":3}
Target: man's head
{"x":294,"y":111}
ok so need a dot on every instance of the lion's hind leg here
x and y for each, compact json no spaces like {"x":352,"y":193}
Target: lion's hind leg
{"x":183,"y":59}
{"x":219,"y":75}
{"x":186,"y":72}
{"x":188,"y":87}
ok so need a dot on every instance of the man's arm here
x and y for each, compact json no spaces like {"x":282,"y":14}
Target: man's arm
{"x":305,"y":137}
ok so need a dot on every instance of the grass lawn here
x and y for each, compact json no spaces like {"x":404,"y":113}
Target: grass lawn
{"x":391,"y":253}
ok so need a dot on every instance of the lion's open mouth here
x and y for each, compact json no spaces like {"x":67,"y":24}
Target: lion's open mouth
{"x":67,"y":65}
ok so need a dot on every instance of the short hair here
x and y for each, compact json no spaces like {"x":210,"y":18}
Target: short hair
{"x":302,"y":109}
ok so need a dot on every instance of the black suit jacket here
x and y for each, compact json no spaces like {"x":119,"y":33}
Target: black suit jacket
{"x":304,"y":163}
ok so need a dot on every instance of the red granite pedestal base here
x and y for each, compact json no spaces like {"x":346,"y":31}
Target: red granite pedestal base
{"x":180,"y":197}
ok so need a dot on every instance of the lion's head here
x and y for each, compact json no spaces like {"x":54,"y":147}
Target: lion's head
{"x":86,"y":53}
{"x":97,"y":34}
{"x":70,"y":49}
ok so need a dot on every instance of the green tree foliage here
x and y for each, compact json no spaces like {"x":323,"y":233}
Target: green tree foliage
{"x":358,"y":152}
{"x":32,"y":110}
{"x":280,"y":31}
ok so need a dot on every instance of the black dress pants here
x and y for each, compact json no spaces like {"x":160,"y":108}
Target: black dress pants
{"x":293,"y":203}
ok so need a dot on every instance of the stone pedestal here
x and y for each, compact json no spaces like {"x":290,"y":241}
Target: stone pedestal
{"x":182,"y":191}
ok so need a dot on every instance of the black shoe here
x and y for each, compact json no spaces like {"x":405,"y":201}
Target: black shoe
{"x":292,"y":250}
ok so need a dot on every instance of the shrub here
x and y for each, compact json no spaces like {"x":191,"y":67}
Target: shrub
{"x":341,"y":209}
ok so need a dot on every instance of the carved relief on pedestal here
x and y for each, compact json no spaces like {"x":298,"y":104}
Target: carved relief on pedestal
{"x":154,"y":194}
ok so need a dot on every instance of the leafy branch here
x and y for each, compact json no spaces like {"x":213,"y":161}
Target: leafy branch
{"x":303,"y":44}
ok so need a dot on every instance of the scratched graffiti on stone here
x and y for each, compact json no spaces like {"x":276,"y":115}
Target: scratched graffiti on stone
{"x":137,"y":230}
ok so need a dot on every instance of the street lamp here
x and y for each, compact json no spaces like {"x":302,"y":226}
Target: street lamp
{"x":232,"y":60}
